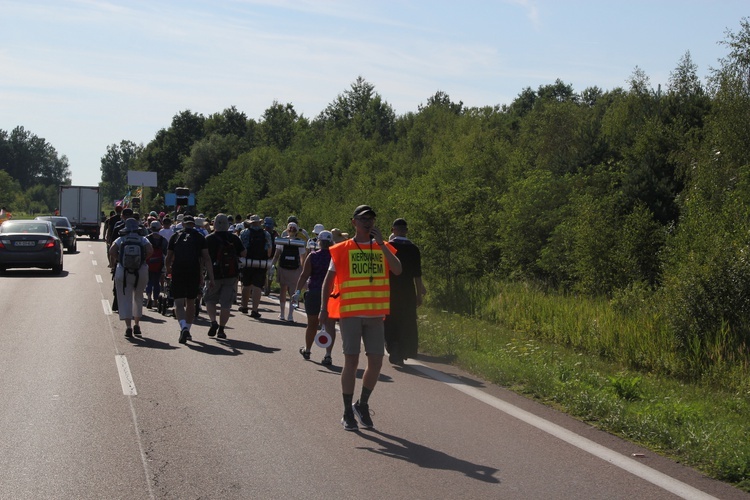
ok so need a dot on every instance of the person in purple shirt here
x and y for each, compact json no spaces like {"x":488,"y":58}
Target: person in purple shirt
{"x":313,"y":272}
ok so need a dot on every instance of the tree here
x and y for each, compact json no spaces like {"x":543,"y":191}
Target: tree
{"x":115,"y":164}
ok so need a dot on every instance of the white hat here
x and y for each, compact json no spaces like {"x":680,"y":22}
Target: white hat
{"x":319,"y":228}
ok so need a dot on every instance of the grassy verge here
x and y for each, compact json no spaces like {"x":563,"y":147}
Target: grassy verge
{"x":697,"y":424}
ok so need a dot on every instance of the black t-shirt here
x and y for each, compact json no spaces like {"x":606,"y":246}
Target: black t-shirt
{"x":187,"y":246}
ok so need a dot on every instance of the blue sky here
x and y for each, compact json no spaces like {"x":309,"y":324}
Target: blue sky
{"x":84,"y":74}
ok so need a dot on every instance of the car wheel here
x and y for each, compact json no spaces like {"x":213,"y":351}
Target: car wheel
{"x":75,"y":248}
{"x":57,"y":269}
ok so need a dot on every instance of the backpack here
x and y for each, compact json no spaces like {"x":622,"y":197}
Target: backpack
{"x":156,"y":262}
{"x":226,"y":262}
{"x":254,"y":241}
{"x":132,"y":253}
{"x":289,"y":257}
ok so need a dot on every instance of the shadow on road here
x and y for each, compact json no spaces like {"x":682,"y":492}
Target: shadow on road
{"x":403,"y":449}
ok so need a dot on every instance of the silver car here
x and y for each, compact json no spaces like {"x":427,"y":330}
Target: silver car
{"x":30,"y":243}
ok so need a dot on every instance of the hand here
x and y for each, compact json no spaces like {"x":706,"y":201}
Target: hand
{"x":377,"y":235}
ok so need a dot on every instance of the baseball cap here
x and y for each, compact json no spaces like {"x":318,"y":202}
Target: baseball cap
{"x":325,"y":236}
{"x":187,"y":219}
{"x":362,"y":210}
{"x":269,"y":222}
{"x":155,"y":225}
{"x":399,"y":222}
{"x":319,"y":228}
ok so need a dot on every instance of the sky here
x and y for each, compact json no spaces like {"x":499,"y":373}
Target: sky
{"x":86,"y":74}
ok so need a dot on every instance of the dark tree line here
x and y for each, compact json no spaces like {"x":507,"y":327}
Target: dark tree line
{"x":30,"y":171}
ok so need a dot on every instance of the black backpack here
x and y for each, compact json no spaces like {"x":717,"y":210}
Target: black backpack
{"x":186,"y":251}
{"x":289,"y":257}
{"x":226,"y":262}
{"x":256,"y":248}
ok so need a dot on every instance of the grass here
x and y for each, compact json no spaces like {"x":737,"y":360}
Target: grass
{"x":618,"y":371}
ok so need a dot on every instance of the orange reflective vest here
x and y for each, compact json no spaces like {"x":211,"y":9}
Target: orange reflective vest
{"x":361,"y":278}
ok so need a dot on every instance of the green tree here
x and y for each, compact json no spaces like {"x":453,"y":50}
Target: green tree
{"x":114,"y":167}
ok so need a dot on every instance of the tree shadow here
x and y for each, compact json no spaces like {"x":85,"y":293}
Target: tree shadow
{"x":428,"y":458}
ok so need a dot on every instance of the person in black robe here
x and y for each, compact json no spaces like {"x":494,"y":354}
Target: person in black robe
{"x":407,"y":291}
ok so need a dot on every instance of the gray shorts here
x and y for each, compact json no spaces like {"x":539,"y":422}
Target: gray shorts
{"x":223,"y":292}
{"x":358,"y":330}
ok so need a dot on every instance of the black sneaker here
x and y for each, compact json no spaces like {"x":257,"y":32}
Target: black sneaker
{"x":128,"y":332}
{"x":305,"y":353}
{"x":221,"y":334}
{"x":137,"y":330}
{"x":150,"y":304}
{"x":362,"y":412}
{"x":243,"y":310}
{"x":185,"y":336}
{"x":349,"y":422}
{"x":327,"y":361}
{"x":212,"y":330}
{"x":255,"y":314}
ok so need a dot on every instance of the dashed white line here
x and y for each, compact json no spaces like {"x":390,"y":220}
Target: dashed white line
{"x":126,"y":378}
{"x":99,"y":278}
{"x":106,"y":307}
{"x":653,"y":476}
{"x":93,"y":262}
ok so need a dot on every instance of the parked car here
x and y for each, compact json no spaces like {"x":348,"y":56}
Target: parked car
{"x":65,"y":230}
{"x":30,"y":243}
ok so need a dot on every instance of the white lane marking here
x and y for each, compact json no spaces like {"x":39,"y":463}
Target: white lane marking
{"x":106,"y":307}
{"x":653,"y":476}
{"x":99,"y":278}
{"x":91,"y":252}
{"x":93,"y":262}
{"x":126,"y":379}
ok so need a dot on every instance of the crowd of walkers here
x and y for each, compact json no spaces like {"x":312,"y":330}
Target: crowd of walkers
{"x":371,"y":286}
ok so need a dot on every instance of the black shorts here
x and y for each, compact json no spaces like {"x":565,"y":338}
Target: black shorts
{"x":312,"y":302}
{"x":253,"y":276}
{"x":185,"y":284}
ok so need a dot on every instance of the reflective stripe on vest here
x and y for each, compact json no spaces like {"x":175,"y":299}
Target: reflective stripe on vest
{"x":362,"y":278}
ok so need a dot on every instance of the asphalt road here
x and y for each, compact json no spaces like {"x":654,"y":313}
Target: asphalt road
{"x":87,"y":413}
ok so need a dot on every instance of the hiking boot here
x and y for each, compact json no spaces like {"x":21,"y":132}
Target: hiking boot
{"x":137,"y":330}
{"x":255,"y":314}
{"x":242,"y":309}
{"x":305,"y":353}
{"x":185,"y":336}
{"x":213,"y":328}
{"x":221,"y":334}
{"x":128,"y":332}
{"x":327,"y":361}
{"x":362,"y":412}
{"x":349,"y":422}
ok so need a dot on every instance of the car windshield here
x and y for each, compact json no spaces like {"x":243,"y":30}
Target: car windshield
{"x":57,"y":221}
{"x":24,"y":227}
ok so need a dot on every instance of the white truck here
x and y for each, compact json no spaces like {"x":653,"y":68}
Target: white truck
{"x":82,"y":206}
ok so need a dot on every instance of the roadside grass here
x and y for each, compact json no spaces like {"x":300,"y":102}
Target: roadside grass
{"x":549,"y":355}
